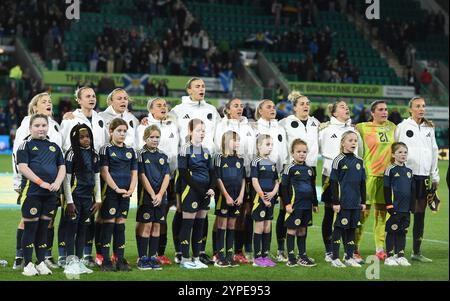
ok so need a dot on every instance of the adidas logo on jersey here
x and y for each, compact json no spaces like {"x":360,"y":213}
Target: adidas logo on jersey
{"x":344,"y":167}
{"x":35,"y":148}
{"x":186,"y":116}
{"x":334,"y":136}
{"x":313,"y":124}
{"x":428,"y":135}
{"x":147,"y":161}
{"x":297,"y":173}
{"x":397,"y":175}
{"x":249,"y":134}
{"x":262,"y":168}
{"x":225,"y":166}
{"x":171,"y":135}
{"x":113,"y":155}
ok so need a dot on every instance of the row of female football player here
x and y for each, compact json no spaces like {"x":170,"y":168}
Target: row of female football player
{"x":189,"y":156}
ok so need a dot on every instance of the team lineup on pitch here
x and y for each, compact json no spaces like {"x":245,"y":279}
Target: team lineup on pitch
{"x":220,"y":142}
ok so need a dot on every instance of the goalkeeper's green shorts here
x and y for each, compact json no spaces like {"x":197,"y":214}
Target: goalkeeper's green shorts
{"x":374,"y":190}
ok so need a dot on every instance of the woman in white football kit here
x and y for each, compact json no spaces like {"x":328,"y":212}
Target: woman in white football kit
{"x":118,"y":108}
{"x":303,"y":126}
{"x":234,"y":121}
{"x":87,"y":100}
{"x":158,"y":115}
{"x":418,"y":134}
{"x":191,"y":107}
{"x":330,"y":135}
{"x":267,"y":124}
{"x":117,"y":102}
{"x":39,"y":104}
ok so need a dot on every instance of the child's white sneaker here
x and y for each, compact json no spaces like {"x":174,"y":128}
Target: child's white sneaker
{"x":390,"y":261}
{"x":43,"y":269}
{"x":351,"y":263}
{"x":402,"y":261}
{"x":337,"y":263}
{"x":30,"y":270}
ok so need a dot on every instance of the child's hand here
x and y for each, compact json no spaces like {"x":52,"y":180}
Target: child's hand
{"x":229,"y":200}
{"x":157,"y":200}
{"x":336,"y":208}
{"x":45,"y":185}
{"x":267,"y":203}
{"x":54,"y":186}
{"x":71,"y":210}
{"x":210,"y":192}
{"x":315,"y":209}
{"x":363,"y":207}
{"x":95,"y":207}
{"x":289,"y":208}
{"x":270,"y":195}
{"x":238,"y":201}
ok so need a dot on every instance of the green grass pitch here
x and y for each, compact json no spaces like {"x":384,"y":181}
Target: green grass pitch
{"x":435,"y":246}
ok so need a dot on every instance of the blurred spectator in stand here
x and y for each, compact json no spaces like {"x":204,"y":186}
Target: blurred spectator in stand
{"x":150,"y":88}
{"x":394,"y":116}
{"x":187,"y":43}
{"x":319,"y":114}
{"x":163,"y":89}
{"x":3,"y":122}
{"x":93,"y":60}
{"x":279,"y":94}
{"x":204,"y":42}
{"x":410,"y":55}
{"x":153,"y":61}
{"x":225,"y":76}
{"x":204,"y":68}
{"x":425,"y":77}
{"x":175,"y":60}
{"x":193,"y":69}
{"x":411,"y":80}
{"x":105,"y":85}
{"x":110,"y":61}
{"x":276,"y":12}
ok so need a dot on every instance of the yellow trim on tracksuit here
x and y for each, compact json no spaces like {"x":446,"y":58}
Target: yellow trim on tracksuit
{"x":104,"y":191}
{"x":255,"y":202}
{"x":141,"y":197}
{"x":185,"y":193}
{"x":74,"y":184}
{"x":292,"y":203}
{"x":24,"y":192}
{"x":219,"y":202}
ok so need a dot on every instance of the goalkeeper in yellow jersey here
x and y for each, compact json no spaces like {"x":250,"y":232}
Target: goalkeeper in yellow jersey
{"x":377,"y":136}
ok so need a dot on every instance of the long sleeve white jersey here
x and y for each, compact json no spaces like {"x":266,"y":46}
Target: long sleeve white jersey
{"x":169,"y":138}
{"x":247,"y":144}
{"x":189,"y":109}
{"x":422,"y":148}
{"x":310,"y":134}
{"x":330,"y":136}
{"x":131,"y":140}
{"x":272,"y":128}
{"x":98,"y":128}
{"x":54,"y":135}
